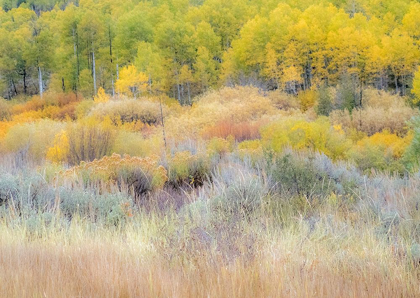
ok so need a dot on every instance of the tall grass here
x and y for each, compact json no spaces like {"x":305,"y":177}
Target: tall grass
{"x":292,"y":262}
{"x":238,"y":235}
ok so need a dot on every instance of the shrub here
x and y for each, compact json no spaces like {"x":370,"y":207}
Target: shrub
{"x":29,"y":191}
{"x":134,"y":144}
{"x":347,"y":95}
{"x":239,"y":105}
{"x":239,"y":193}
{"x":283,"y":101}
{"x":110,"y":209}
{"x":83,"y":108}
{"x":411,"y":157}
{"x":129,"y":111}
{"x":250,"y":149}
{"x":143,"y":175}
{"x":89,"y":139}
{"x":381,"y":151}
{"x":316,"y":136}
{"x":218,"y":147}
{"x":312,"y":177}
{"x":185,"y":168}
{"x":60,"y":151}
{"x":294,"y":176}
{"x":324,"y":106}
{"x":9,"y":188}
{"x":240,"y":131}
{"x":35,"y":104}
{"x":382,"y":111}
{"x":5,"y":110}
{"x":61,"y":99}
{"x":307,"y":99}
{"x":32,"y":138}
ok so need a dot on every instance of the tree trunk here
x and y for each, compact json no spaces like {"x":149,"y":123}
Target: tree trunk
{"x":118,"y":77}
{"x":189,"y":93}
{"x":94,"y":72}
{"x":76,"y":53}
{"x":25,"y":87}
{"x":41,"y":87}
{"x":396,"y":84}
{"x":110,"y":55}
{"x":177,"y":86}
{"x":179,"y":93}
{"x":14,"y":87}
{"x":163,"y":124}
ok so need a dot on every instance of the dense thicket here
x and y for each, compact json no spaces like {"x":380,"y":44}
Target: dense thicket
{"x":184,"y":47}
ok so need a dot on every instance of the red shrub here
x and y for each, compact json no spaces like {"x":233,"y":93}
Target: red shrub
{"x":240,"y":131}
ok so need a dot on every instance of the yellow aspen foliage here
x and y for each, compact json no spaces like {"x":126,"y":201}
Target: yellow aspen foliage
{"x":307,"y":99}
{"x":131,"y":82}
{"x":58,"y":153}
{"x":101,"y":96}
{"x":272,"y":69}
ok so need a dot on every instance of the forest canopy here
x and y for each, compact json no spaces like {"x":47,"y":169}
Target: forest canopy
{"x":184,"y":47}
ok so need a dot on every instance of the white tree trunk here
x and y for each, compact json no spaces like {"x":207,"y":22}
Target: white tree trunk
{"x":94,"y":72}
{"x":113,"y":87}
{"x":41,"y":87}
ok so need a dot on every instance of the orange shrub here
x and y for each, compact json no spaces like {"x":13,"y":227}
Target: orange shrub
{"x":62,"y":99}
{"x":240,"y":131}
{"x":35,"y":104}
{"x":53,"y":105}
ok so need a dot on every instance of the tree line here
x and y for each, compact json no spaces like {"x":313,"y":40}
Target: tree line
{"x":184,"y":47}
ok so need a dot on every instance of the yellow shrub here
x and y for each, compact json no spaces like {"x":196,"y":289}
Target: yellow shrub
{"x":101,"y":96}
{"x":391,"y":143}
{"x":304,"y":135}
{"x":219,"y":146}
{"x":307,"y":99}
{"x":134,"y":144}
{"x":59,"y":152}
{"x":382,"y":151}
{"x":252,"y":148}
{"x":186,"y":168}
{"x":32,"y":138}
{"x":143,"y":174}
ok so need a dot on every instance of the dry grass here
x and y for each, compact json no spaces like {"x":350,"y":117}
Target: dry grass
{"x":292,"y":263}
